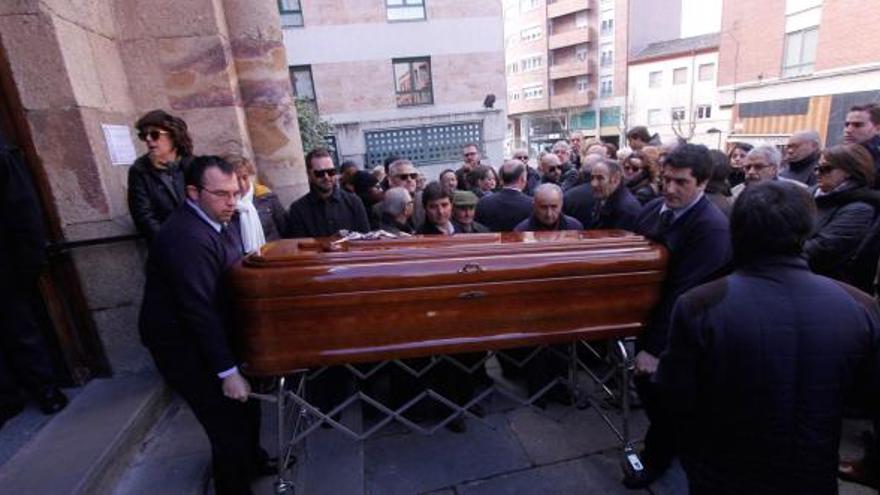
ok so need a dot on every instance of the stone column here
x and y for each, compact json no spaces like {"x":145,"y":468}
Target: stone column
{"x":257,"y":46}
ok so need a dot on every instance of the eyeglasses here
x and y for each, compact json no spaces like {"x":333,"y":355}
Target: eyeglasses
{"x":824,"y":169}
{"x":554,"y":168}
{"x":757,"y":167}
{"x":523,"y":158}
{"x":227,"y":195}
{"x":153,"y":135}
{"x":320,"y":174}
{"x":412,"y":176}
{"x":631,"y":168}
{"x":470,"y":153}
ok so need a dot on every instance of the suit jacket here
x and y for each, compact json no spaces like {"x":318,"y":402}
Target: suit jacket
{"x":474,"y":228}
{"x":699,"y":251}
{"x":22,"y":240}
{"x":185,"y":306}
{"x":579,"y":202}
{"x":311,"y":216}
{"x":153,"y":194}
{"x":757,"y":371}
{"x":619,"y":211}
{"x":531,"y":224}
{"x":502,"y":211}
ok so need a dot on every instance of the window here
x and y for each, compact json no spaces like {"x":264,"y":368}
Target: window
{"x":677,"y":113}
{"x":526,"y":5}
{"x":581,"y":20}
{"x":581,"y":52}
{"x":706,"y":72}
{"x":405,"y":10}
{"x":606,"y":86}
{"x":606,"y":55}
{"x":607,"y":27}
{"x":533,"y":92}
{"x":513,"y":67}
{"x":655,"y":79}
{"x":680,"y":76}
{"x":301,"y":79}
{"x":654,"y":116}
{"x":423,"y":145}
{"x":704,"y":111}
{"x":529,"y":34}
{"x":412,"y":81}
{"x":531,"y":63}
{"x":513,"y":95}
{"x":583,"y":84}
{"x":291,"y":13}
{"x":800,"y":52}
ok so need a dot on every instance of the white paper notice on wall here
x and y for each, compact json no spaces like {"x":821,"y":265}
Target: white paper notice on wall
{"x":119,"y":144}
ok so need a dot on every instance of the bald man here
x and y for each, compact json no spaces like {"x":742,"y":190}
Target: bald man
{"x":802,"y":156}
{"x":547,"y":212}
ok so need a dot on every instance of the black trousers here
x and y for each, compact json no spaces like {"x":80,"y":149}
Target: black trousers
{"x":24,"y":358}
{"x":660,"y":440}
{"x":233,"y":427}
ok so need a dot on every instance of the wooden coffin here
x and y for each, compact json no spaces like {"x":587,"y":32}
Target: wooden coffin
{"x":301,"y":303}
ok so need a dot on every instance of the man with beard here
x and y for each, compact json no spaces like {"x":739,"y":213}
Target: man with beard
{"x":802,"y":156}
{"x":325,"y":209}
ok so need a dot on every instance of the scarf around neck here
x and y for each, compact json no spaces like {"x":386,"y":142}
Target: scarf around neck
{"x":252,"y":237}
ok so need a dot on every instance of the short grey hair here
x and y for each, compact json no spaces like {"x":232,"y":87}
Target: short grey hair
{"x":396,"y":164}
{"x":613,"y":166}
{"x":547,"y":188}
{"x":809,"y":135}
{"x":561,"y":145}
{"x":551,"y":158}
{"x":769,"y":153}
{"x":395,"y":201}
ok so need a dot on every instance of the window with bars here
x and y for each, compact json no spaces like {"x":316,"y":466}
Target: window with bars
{"x":412,"y":81}
{"x":423,"y":145}
{"x":291,"y":13}
{"x":405,"y":10}
{"x":606,"y":27}
{"x":606,"y":55}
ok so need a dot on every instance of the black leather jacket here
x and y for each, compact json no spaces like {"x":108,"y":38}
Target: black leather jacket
{"x":153,"y":194}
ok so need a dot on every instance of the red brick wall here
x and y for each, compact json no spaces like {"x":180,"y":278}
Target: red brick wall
{"x":847,"y":34}
{"x":759,"y":28}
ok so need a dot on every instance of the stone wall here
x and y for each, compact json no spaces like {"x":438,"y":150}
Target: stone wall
{"x":218,"y":64}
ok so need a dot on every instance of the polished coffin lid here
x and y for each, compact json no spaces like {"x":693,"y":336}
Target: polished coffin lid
{"x":307,"y":302}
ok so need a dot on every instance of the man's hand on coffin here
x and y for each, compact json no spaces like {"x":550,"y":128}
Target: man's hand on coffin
{"x":646,"y":363}
{"x":236,"y":387}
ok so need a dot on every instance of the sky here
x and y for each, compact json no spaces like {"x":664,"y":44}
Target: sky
{"x":700,"y":17}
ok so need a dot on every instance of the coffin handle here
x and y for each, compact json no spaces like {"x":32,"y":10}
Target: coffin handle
{"x":471,"y":268}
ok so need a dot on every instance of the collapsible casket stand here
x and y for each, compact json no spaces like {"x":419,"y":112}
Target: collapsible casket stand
{"x":297,"y":418}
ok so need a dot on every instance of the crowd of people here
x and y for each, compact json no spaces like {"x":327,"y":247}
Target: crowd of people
{"x":765,"y":330}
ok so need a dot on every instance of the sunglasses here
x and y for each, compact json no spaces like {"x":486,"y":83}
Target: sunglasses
{"x":824,"y":169}
{"x":413,"y":176}
{"x":320,"y":174}
{"x":520,"y":158}
{"x":153,"y":135}
{"x":631,"y":168}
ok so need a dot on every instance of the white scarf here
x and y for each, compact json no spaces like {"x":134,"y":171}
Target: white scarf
{"x":252,"y":236}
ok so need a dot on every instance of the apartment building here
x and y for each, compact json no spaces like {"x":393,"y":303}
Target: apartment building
{"x":672,"y":90}
{"x":409,"y":77}
{"x":786,"y":65}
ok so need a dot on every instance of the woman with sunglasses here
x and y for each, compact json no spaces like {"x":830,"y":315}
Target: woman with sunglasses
{"x":641,"y":172}
{"x":155,"y":180}
{"x":843,"y":243}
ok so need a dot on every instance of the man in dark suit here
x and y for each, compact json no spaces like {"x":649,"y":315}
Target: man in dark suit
{"x":326,"y":208}
{"x":503,"y":210}
{"x":24,"y":359}
{"x":616,"y":208}
{"x":547,"y":212}
{"x":760,"y":363}
{"x":185,"y":316}
{"x":579,"y":201}
{"x":697,"y":236}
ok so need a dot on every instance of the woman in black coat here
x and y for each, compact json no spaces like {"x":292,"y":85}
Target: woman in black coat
{"x":843,"y":244}
{"x":155,"y":180}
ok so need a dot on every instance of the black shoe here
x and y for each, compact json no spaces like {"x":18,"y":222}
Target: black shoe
{"x":51,"y":400}
{"x":457,"y":425}
{"x":637,"y":480}
{"x":9,"y":410}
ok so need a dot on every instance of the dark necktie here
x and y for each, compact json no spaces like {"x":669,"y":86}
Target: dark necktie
{"x":666,"y":219}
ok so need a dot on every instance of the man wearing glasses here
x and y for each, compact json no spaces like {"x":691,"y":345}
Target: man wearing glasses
{"x":471,"y":154}
{"x":402,"y":173}
{"x":183,"y":321}
{"x":762,"y":164}
{"x":325,"y":209}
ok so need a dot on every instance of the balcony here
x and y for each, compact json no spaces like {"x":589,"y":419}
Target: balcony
{"x":570,"y":99}
{"x":569,"y":38}
{"x":573,"y":69}
{"x":560,"y":8}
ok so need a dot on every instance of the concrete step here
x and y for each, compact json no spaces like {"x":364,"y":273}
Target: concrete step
{"x":85,"y":447}
{"x":174,"y":454}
